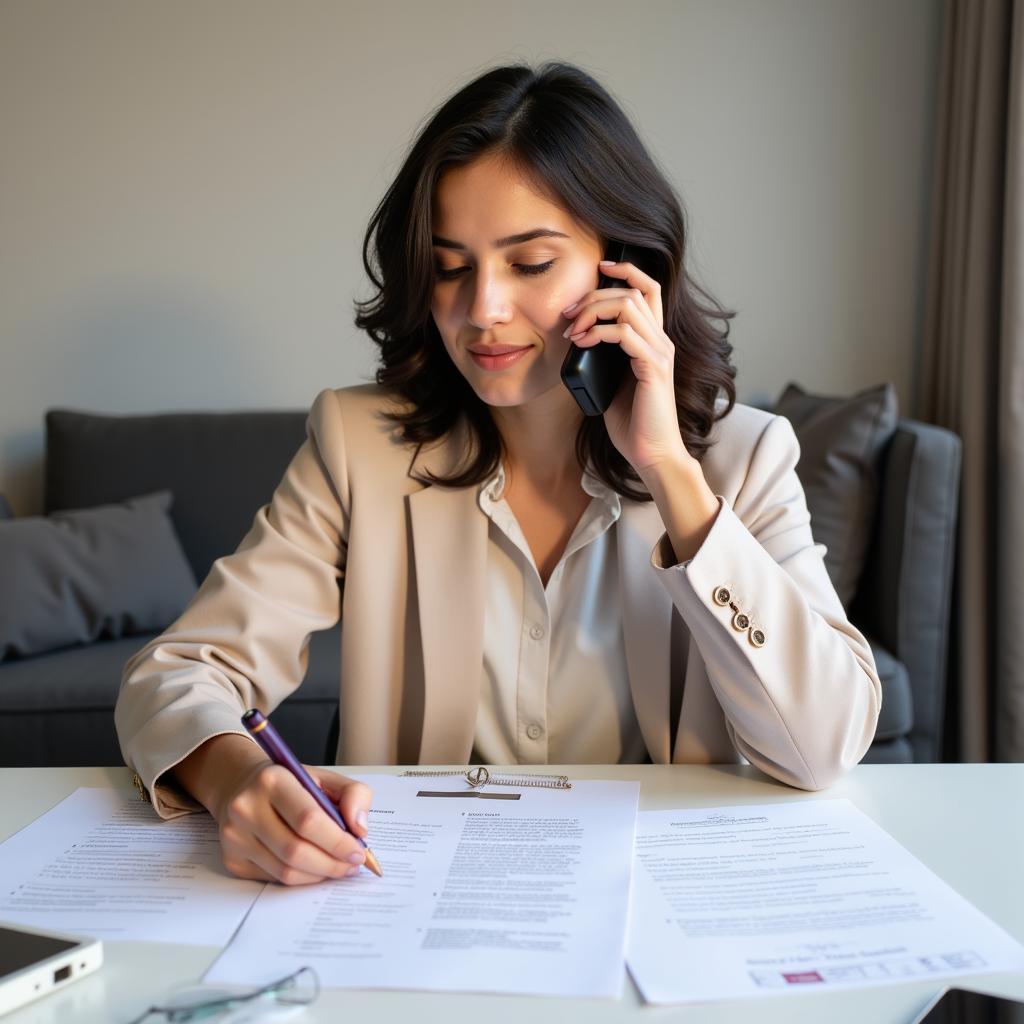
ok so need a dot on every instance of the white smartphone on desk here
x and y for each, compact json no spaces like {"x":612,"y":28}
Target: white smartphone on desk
{"x":34,"y":963}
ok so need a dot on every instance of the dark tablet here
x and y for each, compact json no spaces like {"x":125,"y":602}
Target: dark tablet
{"x":962,"y":1006}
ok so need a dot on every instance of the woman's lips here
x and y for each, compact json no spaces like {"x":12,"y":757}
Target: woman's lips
{"x":499,"y":357}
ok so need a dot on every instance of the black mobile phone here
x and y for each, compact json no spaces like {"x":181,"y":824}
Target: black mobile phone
{"x":963,"y":1006}
{"x":593,"y":375}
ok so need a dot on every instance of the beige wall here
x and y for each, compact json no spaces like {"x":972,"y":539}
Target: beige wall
{"x":184,"y":186}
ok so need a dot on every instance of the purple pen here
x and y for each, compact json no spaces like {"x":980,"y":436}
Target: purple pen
{"x":277,"y":750}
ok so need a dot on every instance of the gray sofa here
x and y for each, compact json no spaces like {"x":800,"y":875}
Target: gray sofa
{"x":57,"y":708}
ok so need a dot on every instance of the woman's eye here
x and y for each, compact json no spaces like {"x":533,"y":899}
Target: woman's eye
{"x":525,"y":269}
{"x":534,"y":268}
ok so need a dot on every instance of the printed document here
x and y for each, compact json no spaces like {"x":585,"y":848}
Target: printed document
{"x":101,"y":863}
{"x":484,"y":890}
{"x":806,"y":896}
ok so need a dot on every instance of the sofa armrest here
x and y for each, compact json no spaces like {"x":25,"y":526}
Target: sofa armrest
{"x":904,"y":595}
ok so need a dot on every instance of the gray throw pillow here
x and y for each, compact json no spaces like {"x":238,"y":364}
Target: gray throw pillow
{"x":72,"y":577}
{"x":841,"y":441}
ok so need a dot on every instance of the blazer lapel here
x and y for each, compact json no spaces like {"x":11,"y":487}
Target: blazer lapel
{"x":646,"y":626}
{"x":449,"y":538}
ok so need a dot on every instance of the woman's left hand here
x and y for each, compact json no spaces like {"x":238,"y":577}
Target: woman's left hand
{"x":642,"y":420}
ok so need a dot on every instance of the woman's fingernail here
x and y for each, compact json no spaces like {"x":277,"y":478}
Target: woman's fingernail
{"x":356,"y":858}
{"x":362,"y":819}
{"x":569,"y":309}
{"x":606,"y":263}
{"x":576,"y":337}
{"x":353,"y":871}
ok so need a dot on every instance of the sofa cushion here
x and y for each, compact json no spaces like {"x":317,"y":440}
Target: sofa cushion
{"x":896,"y":717}
{"x":841,"y":442}
{"x":221,"y":468}
{"x":59,"y":708}
{"x":75,"y":576}
{"x":889,"y":752}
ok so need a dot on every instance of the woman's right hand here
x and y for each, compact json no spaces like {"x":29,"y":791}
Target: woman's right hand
{"x":271,"y":829}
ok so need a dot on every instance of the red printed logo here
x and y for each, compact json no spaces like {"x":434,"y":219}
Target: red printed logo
{"x":803,"y":978}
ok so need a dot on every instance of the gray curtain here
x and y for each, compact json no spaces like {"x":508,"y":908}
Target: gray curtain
{"x":972,"y":362}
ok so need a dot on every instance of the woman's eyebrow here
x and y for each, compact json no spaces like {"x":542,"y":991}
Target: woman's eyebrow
{"x":502,"y":243}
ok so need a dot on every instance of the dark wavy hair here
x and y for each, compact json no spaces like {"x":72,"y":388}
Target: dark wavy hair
{"x":562,"y":130}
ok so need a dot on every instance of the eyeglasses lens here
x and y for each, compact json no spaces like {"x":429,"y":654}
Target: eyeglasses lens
{"x":194,"y":1004}
{"x":298,"y":989}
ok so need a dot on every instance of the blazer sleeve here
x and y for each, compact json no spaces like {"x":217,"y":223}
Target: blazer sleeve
{"x":798,"y":686}
{"x":243,"y":640}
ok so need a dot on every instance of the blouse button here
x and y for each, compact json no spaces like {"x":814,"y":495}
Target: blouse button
{"x":534,"y":731}
{"x":757,"y":637}
{"x":740,"y":622}
{"x":537,"y":632}
{"x":722,"y":595}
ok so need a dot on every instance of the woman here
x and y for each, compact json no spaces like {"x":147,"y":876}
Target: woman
{"x":516,"y":582}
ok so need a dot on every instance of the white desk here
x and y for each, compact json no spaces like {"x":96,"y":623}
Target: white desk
{"x":966,"y":822}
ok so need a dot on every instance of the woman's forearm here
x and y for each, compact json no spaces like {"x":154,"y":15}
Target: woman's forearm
{"x":217,"y":767}
{"x":687,"y":505}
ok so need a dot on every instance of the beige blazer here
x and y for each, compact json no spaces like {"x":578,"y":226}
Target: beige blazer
{"x":353,"y":530}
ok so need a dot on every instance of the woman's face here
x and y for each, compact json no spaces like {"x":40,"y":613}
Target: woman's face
{"x":498,"y":301}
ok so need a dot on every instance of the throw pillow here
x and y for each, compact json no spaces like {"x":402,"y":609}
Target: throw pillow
{"x":74,"y":576}
{"x":841,"y":441}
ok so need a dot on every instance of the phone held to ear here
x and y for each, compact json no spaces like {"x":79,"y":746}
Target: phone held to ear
{"x":34,"y":963}
{"x":593,"y":375}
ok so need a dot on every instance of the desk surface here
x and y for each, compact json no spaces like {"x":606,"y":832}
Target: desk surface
{"x":964,"y":821}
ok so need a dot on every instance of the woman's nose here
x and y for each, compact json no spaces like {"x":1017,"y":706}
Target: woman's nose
{"x":490,"y":300}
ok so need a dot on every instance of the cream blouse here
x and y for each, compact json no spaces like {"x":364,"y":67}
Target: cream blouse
{"x":545,"y":646}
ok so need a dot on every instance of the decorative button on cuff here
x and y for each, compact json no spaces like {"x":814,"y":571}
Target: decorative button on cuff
{"x":143,"y":793}
{"x":741,"y":621}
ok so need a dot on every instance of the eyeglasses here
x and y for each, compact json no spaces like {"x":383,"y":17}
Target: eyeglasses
{"x":298,"y":989}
